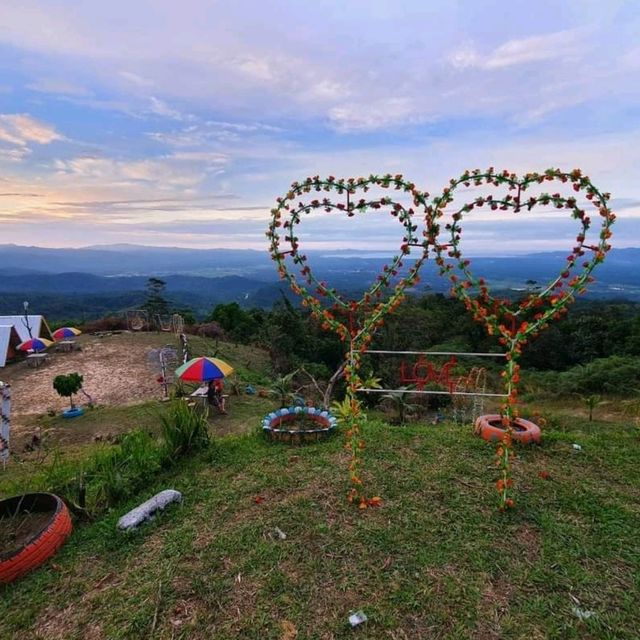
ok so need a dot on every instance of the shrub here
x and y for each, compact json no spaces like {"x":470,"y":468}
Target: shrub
{"x":119,"y":472}
{"x":616,"y":374}
{"x":399,"y":400}
{"x":210,"y":330}
{"x":108,"y":476}
{"x":436,"y":401}
{"x":282,"y":389}
{"x":183,"y":430}
{"x":68,"y":385}
{"x":115,"y":473}
{"x":109,"y":323}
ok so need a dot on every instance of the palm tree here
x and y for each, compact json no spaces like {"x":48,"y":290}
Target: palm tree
{"x":282,"y":389}
{"x":399,"y":401}
{"x":592,"y":402}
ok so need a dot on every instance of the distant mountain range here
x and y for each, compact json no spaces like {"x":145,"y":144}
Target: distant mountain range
{"x":93,"y":280}
{"x":113,"y":260}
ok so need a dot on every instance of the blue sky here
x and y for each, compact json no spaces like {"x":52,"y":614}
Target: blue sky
{"x":178,"y":123}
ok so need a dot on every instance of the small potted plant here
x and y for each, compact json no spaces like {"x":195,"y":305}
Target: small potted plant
{"x":66,"y":386}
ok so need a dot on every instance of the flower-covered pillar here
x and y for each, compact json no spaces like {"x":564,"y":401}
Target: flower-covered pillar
{"x":515,"y":325}
{"x":354,"y":321}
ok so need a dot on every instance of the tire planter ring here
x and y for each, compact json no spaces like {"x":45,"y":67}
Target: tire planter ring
{"x":490,"y":428}
{"x":275,"y":425}
{"x":41,"y":545}
{"x":73,"y":413}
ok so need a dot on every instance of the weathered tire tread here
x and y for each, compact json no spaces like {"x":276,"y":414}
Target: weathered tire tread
{"x":41,"y":548}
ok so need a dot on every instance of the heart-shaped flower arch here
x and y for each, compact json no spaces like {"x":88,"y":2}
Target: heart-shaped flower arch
{"x":515,"y":326}
{"x":365,"y":315}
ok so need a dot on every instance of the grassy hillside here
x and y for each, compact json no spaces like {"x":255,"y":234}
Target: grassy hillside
{"x":434,"y":561}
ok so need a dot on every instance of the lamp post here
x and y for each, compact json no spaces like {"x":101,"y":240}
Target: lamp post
{"x":25,"y":304}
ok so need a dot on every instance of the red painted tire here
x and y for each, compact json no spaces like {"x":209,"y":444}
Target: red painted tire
{"x":41,"y":545}
{"x":523,"y":431}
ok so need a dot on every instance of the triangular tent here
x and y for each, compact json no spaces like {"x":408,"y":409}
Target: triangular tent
{"x":37,"y":324}
{"x":9,"y":340}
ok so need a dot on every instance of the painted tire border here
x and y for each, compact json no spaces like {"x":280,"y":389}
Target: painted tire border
{"x":322,"y":416}
{"x":76,"y":412}
{"x":43,"y":544}
{"x":485,"y":427}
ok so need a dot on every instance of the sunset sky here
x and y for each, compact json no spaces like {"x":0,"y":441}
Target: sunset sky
{"x":178,"y":123}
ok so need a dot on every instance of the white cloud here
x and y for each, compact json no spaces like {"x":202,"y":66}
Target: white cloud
{"x":206,"y":157}
{"x":562,"y":44}
{"x":16,"y":154}
{"x":57,"y":86}
{"x":20,"y":129}
{"x":257,"y":68}
{"x":353,"y":69}
{"x":566,"y":45}
{"x":135,"y":79}
{"x":47,"y":29}
{"x":379,"y":114}
{"x":218,"y":138}
{"x":161,"y":108}
{"x":161,"y":173}
{"x":465,"y":57}
{"x":185,"y":92}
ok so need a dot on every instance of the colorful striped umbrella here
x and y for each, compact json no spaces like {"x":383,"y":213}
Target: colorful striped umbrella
{"x":66,"y":332}
{"x":35,"y":344}
{"x":203,"y":369}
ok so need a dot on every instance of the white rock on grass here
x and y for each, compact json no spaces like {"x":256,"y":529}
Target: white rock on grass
{"x":147,"y":510}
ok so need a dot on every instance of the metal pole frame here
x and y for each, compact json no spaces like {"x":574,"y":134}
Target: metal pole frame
{"x":434,"y":353}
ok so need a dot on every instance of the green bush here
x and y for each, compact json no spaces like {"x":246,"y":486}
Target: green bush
{"x":116,"y":472}
{"x":318,"y":370}
{"x":437,"y":401}
{"x":60,"y":478}
{"x":108,"y":476}
{"x":617,"y":374}
{"x":121,"y":471}
{"x":67,"y":385}
{"x":183,"y":430}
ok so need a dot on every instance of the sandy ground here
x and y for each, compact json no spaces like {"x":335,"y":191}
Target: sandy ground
{"x":115,"y":368}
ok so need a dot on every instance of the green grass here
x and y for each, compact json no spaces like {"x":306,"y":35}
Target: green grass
{"x":73,"y":440}
{"x":252,"y":365}
{"x":435,"y":561}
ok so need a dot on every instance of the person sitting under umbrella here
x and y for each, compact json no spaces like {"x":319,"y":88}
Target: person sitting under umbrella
{"x":214,"y":395}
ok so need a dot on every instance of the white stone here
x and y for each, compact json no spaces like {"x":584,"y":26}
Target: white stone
{"x":147,"y":509}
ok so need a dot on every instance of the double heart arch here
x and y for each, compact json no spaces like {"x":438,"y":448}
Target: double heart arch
{"x":355,"y":321}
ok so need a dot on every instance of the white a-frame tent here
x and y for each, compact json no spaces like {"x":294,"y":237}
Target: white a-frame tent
{"x":20,"y":326}
{"x":9,"y":340}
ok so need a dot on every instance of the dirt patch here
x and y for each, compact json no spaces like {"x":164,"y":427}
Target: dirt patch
{"x":16,"y":530}
{"x":57,"y":624}
{"x":60,"y":625}
{"x":115,"y":368}
{"x":185,"y":612}
{"x":492,"y":606}
{"x":529,"y":540}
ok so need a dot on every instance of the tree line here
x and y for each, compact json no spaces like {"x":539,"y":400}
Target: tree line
{"x":590,"y":331}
